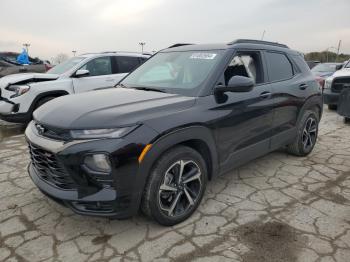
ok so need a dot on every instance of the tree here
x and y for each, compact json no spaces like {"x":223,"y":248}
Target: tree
{"x":60,"y":58}
{"x":322,"y":57}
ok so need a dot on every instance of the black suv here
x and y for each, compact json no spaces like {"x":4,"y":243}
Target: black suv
{"x":185,"y":116}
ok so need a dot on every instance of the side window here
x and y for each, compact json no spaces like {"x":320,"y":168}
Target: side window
{"x":126,"y":64}
{"x":245,"y":64}
{"x":99,"y":66}
{"x":279,"y":66}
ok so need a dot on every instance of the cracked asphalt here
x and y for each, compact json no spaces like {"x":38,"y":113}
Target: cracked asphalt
{"x":276,"y":208}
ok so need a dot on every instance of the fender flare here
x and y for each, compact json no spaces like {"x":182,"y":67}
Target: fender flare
{"x":312,"y":102}
{"x":180,"y":136}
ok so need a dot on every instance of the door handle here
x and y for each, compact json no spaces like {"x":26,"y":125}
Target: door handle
{"x":303,"y":86}
{"x":265,"y":95}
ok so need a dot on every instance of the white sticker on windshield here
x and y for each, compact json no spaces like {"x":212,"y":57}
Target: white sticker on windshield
{"x":203,"y":56}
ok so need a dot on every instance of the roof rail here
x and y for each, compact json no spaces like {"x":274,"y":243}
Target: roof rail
{"x":179,"y":44}
{"x":114,"y":52}
{"x":252,"y":41}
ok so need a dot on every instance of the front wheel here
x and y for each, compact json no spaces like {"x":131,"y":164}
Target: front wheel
{"x":176,"y":186}
{"x":306,"y":135}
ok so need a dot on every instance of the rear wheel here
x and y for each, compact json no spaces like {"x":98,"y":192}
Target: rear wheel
{"x":306,"y":136}
{"x":176,"y":186}
{"x":332,"y":107}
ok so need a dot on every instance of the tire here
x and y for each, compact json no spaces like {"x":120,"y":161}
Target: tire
{"x":306,"y":135}
{"x":162,"y":188}
{"x":332,"y":107}
{"x":42,"y":101}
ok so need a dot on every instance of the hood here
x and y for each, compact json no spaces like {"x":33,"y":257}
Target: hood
{"x":323,"y":74}
{"x":342,"y":72}
{"x":25,"y":78}
{"x":109,"y":108}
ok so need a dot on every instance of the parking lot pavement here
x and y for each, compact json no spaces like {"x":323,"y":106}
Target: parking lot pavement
{"x":277,"y":208}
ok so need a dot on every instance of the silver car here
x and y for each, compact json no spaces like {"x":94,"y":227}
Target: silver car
{"x":21,"y":94}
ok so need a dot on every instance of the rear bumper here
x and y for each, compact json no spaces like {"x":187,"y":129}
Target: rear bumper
{"x":330,"y":98}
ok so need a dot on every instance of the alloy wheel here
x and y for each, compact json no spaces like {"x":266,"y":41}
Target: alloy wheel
{"x":309,"y":134}
{"x":180,"y":189}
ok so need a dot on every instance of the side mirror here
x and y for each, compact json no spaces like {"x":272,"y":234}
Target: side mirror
{"x":237,"y":84}
{"x":338,"y":67}
{"x":81,"y":73}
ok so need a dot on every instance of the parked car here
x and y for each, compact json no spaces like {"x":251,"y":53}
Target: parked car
{"x":312,"y":64}
{"x":9,"y":65}
{"x":185,"y":116}
{"x":21,"y":94}
{"x":324,"y":70}
{"x":344,"y":103}
{"x":334,"y":86}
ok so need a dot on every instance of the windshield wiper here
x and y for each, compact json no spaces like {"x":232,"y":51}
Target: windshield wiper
{"x":150,"y":89}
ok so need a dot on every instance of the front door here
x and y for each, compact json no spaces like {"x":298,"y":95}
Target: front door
{"x":100,"y":75}
{"x":244,"y":131}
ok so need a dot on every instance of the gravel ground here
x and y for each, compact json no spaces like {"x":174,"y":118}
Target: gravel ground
{"x":277,"y":208}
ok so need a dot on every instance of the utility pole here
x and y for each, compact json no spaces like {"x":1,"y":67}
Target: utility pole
{"x":263,"y":35}
{"x":26,"y":46}
{"x":142,"y":44}
{"x":74,"y":52}
{"x":339,"y":44}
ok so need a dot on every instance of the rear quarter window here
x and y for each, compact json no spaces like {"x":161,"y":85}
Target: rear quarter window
{"x":279,"y":66}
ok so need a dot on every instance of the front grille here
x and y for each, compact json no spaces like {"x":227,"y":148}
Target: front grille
{"x":339,"y":83}
{"x":49,"y":168}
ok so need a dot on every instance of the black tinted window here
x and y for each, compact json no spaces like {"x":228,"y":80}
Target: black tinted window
{"x":126,"y":63}
{"x":279,"y":66}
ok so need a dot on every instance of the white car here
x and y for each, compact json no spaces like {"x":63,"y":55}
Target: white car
{"x":21,"y":94}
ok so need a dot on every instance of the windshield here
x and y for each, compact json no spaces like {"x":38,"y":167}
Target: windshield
{"x":174,"y":72}
{"x":324,"y":68}
{"x":347,"y":65}
{"x":65,"y":66}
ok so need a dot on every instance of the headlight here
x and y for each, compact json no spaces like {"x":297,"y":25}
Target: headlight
{"x":102,"y":133}
{"x":98,"y":162}
{"x":19,"y":89}
{"x":327,"y":84}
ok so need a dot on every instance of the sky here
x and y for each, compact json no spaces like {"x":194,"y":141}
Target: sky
{"x":60,"y":26}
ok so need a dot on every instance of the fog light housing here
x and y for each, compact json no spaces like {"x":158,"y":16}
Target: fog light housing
{"x":98,"y":163}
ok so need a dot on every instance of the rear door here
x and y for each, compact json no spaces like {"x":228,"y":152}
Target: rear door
{"x":100,"y":75}
{"x":288,"y":91}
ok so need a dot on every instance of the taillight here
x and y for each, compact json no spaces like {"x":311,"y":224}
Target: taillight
{"x":47,"y":67}
{"x":320,"y":81}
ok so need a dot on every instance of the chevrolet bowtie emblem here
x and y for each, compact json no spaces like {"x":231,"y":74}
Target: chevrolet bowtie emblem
{"x":40,"y":129}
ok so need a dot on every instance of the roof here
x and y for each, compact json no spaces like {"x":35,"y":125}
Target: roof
{"x":116,"y":53}
{"x":240,"y":43}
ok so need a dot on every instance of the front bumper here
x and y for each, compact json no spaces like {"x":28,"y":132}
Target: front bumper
{"x":8,"y":112}
{"x":120,"y":198}
{"x":6,"y":107}
{"x":330,"y":98}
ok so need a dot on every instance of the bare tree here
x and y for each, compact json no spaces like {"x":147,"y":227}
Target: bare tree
{"x":60,"y":58}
